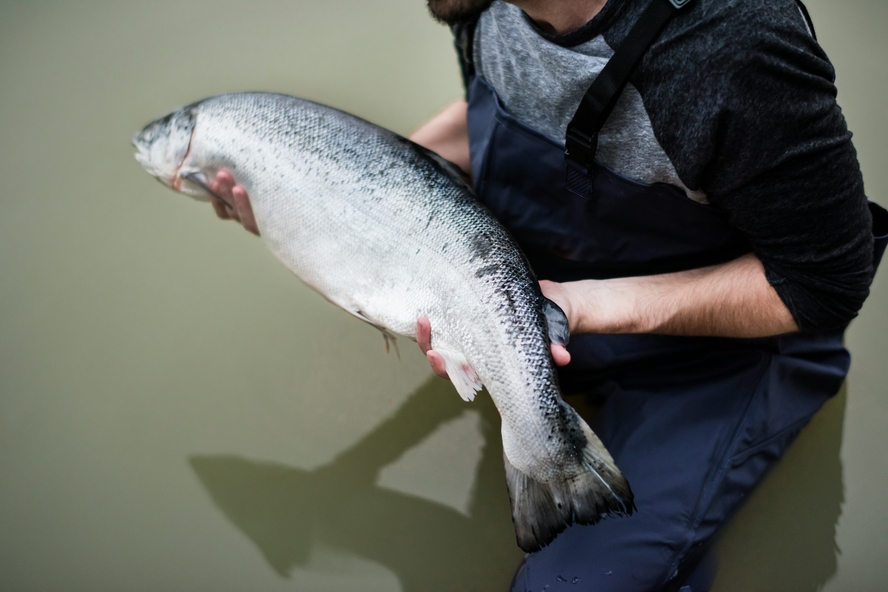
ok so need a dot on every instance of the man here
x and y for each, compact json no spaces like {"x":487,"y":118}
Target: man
{"x":708,"y":262}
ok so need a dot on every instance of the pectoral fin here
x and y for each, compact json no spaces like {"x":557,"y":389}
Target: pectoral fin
{"x":388,"y":336}
{"x":199,"y":180}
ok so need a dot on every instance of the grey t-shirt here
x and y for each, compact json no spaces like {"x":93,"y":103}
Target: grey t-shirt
{"x":541,"y":83}
{"x":735,"y":104}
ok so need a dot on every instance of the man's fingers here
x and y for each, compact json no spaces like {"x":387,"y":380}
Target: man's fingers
{"x":424,"y":334}
{"x":233,"y":213}
{"x":222,"y":185}
{"x":560,"y":355}
{"x":244,"y":209}
{"x":437,"y":363}
{"x":424,"y":339}
{"x":224,"y":181}
{"x":220,"y":209}
{"x":227,"y":189}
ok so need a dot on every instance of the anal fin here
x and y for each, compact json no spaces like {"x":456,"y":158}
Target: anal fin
{"x":461,"y":373}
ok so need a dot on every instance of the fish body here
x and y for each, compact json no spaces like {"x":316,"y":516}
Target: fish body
{"x":390,"y":232}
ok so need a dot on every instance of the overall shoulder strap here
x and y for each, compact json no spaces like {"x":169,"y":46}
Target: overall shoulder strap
{"x":464,"y":41}
{"x":581,"y":141}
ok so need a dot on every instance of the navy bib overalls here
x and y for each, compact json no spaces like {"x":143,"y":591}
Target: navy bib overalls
{"x":692,"y":422}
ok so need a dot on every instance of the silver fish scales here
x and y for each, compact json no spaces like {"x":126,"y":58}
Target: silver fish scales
{"x":390,"y":232}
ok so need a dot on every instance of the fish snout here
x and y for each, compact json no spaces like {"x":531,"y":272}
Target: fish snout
{"x":163,"y":145}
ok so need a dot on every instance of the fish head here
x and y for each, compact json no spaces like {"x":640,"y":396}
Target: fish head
{"x":164,"y":144}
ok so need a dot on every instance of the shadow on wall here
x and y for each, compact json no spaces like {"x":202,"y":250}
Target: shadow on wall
{"x":429,"y":546}
{"x":783,"y":538}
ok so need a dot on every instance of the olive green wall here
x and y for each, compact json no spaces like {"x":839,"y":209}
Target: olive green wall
{"x":177,"y":412}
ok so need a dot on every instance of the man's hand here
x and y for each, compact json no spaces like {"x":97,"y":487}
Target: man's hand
{"x":235,"y":195}
{"x":424,"y":338}
{"x":732,"y":299}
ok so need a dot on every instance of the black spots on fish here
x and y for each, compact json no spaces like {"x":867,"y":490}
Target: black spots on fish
{"x":487,"y":270}
{"x":511,"y":306}
{"x":179,"y":118}
{"x":181,"y":121}
{"x":576,"y":438}
{"x":515,"y":298}
{"x":440,"y":167}
{"x":483,"y":244}
{"x":566,"y":427}
{"x":368,"y":168}
{"x":166,"y":118}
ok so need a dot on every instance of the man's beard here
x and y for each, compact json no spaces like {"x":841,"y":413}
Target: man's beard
{"x":454,"y":12}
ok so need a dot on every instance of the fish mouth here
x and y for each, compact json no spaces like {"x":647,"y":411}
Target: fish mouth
{"x":193,"y":183}
{"x":163,"y":146}
{"x":143,"y":157}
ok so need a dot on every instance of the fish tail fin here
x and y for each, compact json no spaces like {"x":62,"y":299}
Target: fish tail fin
{"x":541,"y":511}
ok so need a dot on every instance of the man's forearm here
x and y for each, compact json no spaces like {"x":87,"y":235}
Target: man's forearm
{"x":447,"y":133}
{"x":733,"y":299}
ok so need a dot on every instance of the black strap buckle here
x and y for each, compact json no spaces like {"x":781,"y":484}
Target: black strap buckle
{"x":580,"y":147}
{"x":579,"y":153}
{"x":581,"y":140}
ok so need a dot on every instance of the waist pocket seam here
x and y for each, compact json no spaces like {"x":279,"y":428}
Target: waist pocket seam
{"x":740,"y":457}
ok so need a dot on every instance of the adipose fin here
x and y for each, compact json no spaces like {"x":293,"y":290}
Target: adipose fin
{"x":556,"y":322}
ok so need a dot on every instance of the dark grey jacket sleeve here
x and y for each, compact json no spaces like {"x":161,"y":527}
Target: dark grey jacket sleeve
{"x":761,"y":134}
